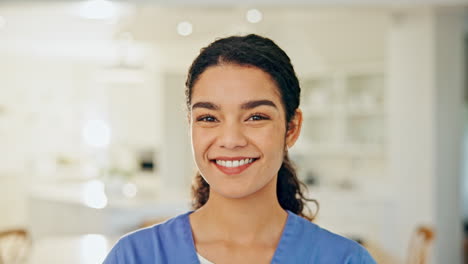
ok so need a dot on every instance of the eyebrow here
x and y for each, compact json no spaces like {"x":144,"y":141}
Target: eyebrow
{"x":257,"y":103}
{"x":245,"y":106}
{"x":206,"y":105}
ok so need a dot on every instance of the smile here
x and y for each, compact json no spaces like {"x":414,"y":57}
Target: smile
{"x":233,"y":166}
{"x":233,"y":163}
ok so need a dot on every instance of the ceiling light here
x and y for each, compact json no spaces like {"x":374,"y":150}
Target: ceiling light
{"x":184,"y":28}
{"x":254,"y":16}
{"x":98,"y":9}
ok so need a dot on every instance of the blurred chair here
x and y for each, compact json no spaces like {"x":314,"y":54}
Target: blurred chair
{"x":14,"y":246}
{"x":420,"y":244}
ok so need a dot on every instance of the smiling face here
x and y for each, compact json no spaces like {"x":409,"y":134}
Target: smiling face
{"x":238,"y":129}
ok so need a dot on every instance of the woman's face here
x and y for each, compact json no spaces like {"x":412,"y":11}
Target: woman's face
{"x":238,"y":129}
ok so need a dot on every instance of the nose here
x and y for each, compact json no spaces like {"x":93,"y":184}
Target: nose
{"x":231,"y":136}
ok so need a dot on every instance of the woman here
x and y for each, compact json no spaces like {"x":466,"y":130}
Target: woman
{"x":242,"y":98}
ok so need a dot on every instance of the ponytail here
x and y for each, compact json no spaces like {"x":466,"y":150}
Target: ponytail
{"x":290,"y":191}
{"x":200,"y":191}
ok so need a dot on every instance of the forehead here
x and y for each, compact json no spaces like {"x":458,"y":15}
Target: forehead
{"x":234,"y":84}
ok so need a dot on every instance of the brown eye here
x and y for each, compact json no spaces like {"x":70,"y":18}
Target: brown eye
{"x":257,"y":117}
{"x":207,"y":118}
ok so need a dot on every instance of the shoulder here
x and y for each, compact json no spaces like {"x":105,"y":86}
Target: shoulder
{"x":323,"y":246}
{"x":171,"y":229}
{"x":150,"y":244}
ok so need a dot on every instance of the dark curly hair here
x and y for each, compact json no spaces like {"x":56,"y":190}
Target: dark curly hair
{"x":262,"y":53}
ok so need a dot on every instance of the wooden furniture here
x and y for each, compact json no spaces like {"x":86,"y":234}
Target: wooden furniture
{"x":14,"y":246}
{"x":420,"y":244}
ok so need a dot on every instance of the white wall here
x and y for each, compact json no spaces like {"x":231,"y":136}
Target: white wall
{"x":465,"y":165}
{"x":425,"y":100}
{"x":177,"y":165}
{"x":450,"y":73}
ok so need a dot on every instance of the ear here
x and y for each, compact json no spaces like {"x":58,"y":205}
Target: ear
{"x":294,"y":128}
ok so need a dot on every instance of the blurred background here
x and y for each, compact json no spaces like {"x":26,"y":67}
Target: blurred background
{"x":94,"y":140}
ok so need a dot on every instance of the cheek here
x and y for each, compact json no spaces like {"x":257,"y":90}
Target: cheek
{"x":197,"y":140}
{"x":274,"y":136}
{"x":271,"y":142}
{"x":201,"y":140}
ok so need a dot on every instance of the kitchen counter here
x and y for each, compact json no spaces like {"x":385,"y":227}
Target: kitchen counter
{"x":87,"y":207}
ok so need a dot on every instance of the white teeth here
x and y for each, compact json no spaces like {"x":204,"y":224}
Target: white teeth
{"x":221,"y":162}
{"x":233,"y":163}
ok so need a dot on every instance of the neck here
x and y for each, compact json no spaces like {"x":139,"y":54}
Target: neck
{"x":243,"y":220}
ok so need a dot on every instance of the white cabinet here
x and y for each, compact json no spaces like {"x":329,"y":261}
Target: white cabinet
{"x":340,"y":153}
{"x":343,"y":136}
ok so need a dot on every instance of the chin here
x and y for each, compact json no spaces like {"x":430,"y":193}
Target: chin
{"x":235,"y":193}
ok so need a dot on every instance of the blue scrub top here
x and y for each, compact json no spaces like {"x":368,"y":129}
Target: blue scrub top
{"x":172,"y":242}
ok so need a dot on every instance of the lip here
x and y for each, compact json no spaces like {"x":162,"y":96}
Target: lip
{"x":233,"y":158}
{"x":233,"y":170}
